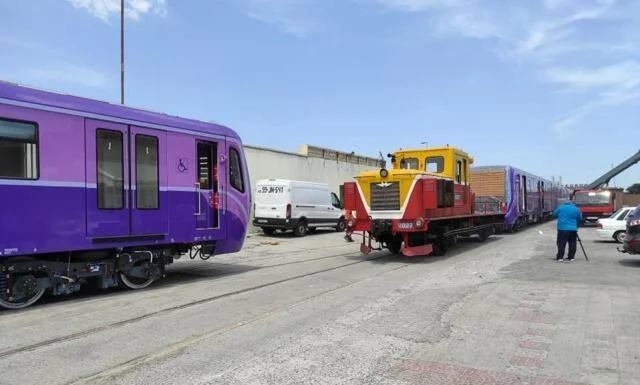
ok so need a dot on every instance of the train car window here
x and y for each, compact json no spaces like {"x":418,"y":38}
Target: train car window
{"x":235,"y":170}
{"x":409,"y":164}
{"x":18,"y":149}
{"x":205,"y":159}
{"x":458,"y":171}
{"x":110,"y":169}
{"x":434,"y":164}
{"x":465,"y":169}
{"x":147,"y":183}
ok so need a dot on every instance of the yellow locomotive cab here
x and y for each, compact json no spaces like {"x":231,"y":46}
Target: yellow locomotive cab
{"x":388,"y":190}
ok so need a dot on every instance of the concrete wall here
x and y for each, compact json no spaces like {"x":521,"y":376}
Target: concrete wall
{"x":631,"y":199}
{"x":312,"y":164}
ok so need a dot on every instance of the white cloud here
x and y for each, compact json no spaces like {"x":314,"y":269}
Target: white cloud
{"x":557,"y":37}
{"x":418,"y":5}
{"x":625,"y":75}
{"x":105,"y":9}
{"x":289,"y":16}
{"x":587,"y":47}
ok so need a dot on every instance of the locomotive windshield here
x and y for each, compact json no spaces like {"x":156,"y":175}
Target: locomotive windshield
{"x":592,"y":198}
{"x":409,"y":164}
{"x":434,"y":164}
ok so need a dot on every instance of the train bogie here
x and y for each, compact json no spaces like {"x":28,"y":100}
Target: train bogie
{"x":94,"y":191}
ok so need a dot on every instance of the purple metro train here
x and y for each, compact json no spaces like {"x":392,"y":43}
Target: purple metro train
{"x":92,"y":191}
{"x":524,"y":198}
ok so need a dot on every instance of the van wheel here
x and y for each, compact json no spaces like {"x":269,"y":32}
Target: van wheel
{"x":341,"y":226}
{"x":300,"y":229}
{"x":268,"y":231}
{"x":619,"y":236}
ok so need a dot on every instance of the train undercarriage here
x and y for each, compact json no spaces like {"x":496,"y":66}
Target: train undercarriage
{"x":25,"y":279}
{"x":432,"y":238}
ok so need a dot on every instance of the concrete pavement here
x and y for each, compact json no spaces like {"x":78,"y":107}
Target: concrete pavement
{"x":314,"y":311}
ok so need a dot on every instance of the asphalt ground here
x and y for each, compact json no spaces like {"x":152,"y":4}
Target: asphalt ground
{"x":313,"y":310}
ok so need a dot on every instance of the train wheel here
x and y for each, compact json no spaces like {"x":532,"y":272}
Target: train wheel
{"x":138,"y":276}
{"x":394,"y":246}
{"x":25,"y":291}
{"x":483,"y":235}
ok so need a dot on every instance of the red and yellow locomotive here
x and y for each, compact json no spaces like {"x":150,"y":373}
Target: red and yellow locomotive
{"x":420,"y":205}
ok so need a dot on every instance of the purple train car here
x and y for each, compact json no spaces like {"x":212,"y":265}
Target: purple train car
{"x":92,"y":191}
{"x":523,"y":197}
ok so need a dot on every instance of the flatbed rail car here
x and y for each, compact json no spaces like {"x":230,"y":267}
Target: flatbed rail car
{"x":420,"y":205}
{"x":526,"y":198}
{"x":92,"y":191}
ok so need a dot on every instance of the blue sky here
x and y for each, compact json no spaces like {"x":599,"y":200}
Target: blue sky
{"x":551,"y":86}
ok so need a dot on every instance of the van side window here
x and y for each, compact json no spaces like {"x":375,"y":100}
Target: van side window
{"x":235,"y":170}
{"x":334,"y":200}
{"x":18,"y":149}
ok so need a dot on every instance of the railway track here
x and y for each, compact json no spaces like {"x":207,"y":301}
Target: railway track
{"x":84,"y":333}
{"x":107,"y":375}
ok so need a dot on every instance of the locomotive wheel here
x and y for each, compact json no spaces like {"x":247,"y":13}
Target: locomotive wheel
{"x":25,"y":291}
{"x":136,"y":282}
{"x":483,"y":235}
{"x":394,"y":246}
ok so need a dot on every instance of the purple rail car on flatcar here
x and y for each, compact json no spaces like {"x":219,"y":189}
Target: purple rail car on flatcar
{"x":97,"y":191}
{"x":526,"y":198}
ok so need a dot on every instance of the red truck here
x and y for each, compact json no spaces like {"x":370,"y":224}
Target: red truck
{"x":595,"y":202}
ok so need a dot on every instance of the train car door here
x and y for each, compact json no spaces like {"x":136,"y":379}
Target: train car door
{"x":125,"y":180}
{"x":107,"y":178}
{"x":210,"y":189}
{"x":149,"y":203}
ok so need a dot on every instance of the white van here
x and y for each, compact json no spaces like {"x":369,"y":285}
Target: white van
{"x":295,"y":205}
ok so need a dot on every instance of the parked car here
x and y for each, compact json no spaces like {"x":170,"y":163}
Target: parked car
{"x":631,"y":244}
{"x":282,"y":204}
{"x":615,"y":226}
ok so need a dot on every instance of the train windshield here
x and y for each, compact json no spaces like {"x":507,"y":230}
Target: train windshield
{"x":592,"y":198}
{"x":409,"y":164}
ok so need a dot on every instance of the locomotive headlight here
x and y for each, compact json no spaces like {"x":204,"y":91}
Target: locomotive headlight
{"x":384,"y":173}
{"x":419,"y":222}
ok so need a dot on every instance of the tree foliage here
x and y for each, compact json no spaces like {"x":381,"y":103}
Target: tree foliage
{"x":634,"y":188}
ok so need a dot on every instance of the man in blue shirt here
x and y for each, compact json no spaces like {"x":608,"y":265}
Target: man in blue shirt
{"x":569,"y":218}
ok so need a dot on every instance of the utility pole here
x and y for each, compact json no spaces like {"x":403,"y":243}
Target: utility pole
{"x":121,"y":51}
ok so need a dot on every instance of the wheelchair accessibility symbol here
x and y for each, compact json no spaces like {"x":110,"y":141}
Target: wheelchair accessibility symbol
{"x":182,"y":165}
